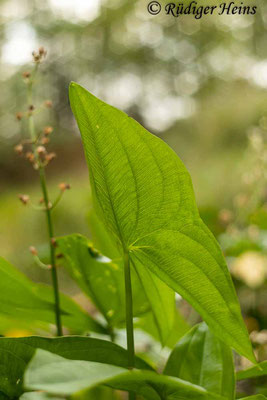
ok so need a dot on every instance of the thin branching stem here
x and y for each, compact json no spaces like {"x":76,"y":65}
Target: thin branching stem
{"x":47,"y":208}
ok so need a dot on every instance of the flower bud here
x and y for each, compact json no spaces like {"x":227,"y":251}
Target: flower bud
{"x":45,"y":140}
{"x":48,"y":103}
{"x":33,"y":251}
{"x":26,"y":74}
{"x":48,"y":130}
{"x":24,"y":198}
{"x":50,"y":156}
{"x":30,"y":156}
{"x":54,"y":242}
{"x":18,"y":149}
{"x":31,"y":107}
{"x":19,"y":116}
{"x":41,"y":150}
{"x":64,"y":186}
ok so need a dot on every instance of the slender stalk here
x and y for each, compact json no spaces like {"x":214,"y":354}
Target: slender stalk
{"x":129,"y":315}
{"x":47,"y":211}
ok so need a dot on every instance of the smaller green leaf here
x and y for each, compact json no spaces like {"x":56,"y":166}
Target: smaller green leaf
{"x":22,"y":299}
{"x":100,"y":278}
{"x":253,"y":372}
{"x":59,"y":376}
{"x":38,"y":396}
{"x":255,"y":397}
{"x":15,"y":354}
{"x":201,"y":358}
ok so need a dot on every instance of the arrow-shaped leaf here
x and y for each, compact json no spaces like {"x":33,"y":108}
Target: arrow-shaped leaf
{"x":144,"y":195}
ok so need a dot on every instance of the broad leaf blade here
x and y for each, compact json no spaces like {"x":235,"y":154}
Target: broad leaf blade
{"x":59,"y":376}
{"x":100,"y":278}
{"x":15,"y":354}
{"x":144,"y":195}
{"x":199,"y":357}
{"x":23,"y":299}
{"x":253,"y":372}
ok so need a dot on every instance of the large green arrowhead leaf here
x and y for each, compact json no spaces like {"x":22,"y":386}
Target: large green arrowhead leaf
{"x":59,"y":376}
{"x":253,"y":372}
{"x":23,"y":299}
{"x":199,"y":357}
{"x":144,"y":195}
{"x":15,"y":354}
{"x":100,"y":278}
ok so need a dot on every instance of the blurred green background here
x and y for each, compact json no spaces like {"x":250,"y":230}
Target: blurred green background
{"x":200,"y":85}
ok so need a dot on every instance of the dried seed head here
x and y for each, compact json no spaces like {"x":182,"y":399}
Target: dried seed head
{"x":30,"y":156}
{"x":48,"y":103}
{"x":45,"y":140}
{"x":50,"y":156}
{"x":26,"y":74}
{"x":41,"y":150}
{"x":48,"y":130}
{"x":18,"y":149}
{"x":24,"y":198}
{"x":33,"y":251}
{"x":64,"y":186}
{"x":19,"y":116}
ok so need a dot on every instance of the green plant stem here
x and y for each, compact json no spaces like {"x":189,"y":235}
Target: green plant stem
{"x":52,"y":250}
{"x":129,"y":315}
{"x":48,"y":213}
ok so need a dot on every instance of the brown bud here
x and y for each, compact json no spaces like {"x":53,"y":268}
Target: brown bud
{"x":36,"y":57}
{"x":18,"y":149}
{"x":45,"y":140}
{"x":60,"y":255}
{"x":19,"y":116}
{"x":29,"y":156}
{"x":31,"y":107}
{"x":26,"y":74}
{"x":54,"y":242}
{"x":50,"y":156}
{"x":48,"y":130}
{"x":33,"y":251}
{"x":42,"y":51}
{"x":48,"y":103}
{"x":64,"y":186}
{"x":41,"y":150}
{"x":24,"y":198}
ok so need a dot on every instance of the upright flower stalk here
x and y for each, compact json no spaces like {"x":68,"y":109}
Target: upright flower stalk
{"x":34,"y":150}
